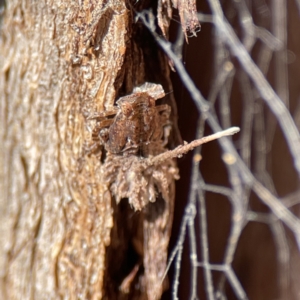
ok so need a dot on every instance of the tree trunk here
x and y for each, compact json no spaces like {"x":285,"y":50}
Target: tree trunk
{"x":61,"y":62}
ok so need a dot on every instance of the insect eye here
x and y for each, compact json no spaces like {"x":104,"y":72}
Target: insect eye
{"x":126,"y":110}
{"x":104,"y":135}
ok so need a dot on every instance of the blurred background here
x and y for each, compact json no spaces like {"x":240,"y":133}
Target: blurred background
{"x":236,"y":243}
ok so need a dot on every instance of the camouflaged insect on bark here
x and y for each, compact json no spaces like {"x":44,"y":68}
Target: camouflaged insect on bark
{"x":139,"y":167}
{"x":140,"y":130}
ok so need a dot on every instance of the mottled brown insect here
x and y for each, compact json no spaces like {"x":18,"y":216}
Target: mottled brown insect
{"x":136,"y":129}
{"x":138,"y":125}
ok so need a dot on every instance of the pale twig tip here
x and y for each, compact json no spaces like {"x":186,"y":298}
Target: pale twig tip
{"x":231,"y":130}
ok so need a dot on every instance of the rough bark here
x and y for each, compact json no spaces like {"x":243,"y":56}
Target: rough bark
{"x":60,"y":62}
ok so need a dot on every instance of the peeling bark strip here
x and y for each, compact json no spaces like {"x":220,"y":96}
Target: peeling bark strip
{"x":61,"y":233}
{"x":187,"y":13}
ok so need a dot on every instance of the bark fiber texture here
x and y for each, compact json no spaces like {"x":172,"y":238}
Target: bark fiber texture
{"x":60,"y":62}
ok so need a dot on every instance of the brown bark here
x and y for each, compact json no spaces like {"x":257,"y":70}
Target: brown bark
{"x":59,"y":63}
